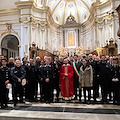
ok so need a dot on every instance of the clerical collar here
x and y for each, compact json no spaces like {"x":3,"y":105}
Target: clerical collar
{"x":66,"y":64}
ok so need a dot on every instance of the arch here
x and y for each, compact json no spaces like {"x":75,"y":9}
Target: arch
{"x":10,"y":45}
{"x":5,"y":34}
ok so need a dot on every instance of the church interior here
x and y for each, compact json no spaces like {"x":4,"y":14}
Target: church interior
{"x":55,"y":28}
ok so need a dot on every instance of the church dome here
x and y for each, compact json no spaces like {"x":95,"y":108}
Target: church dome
{"x":61,"y":9}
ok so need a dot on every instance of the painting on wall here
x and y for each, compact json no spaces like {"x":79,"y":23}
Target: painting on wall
{"x":71,"y":39}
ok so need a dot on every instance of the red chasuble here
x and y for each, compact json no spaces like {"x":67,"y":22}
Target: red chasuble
{"x":66,"y":82}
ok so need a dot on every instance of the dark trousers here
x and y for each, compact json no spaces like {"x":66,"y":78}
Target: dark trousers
{"x":80,"y":94}
{"x":75,"y":90}
{"x":36,"y":89}
{"x":17,"y":91}
{"x":76,"y":85}
{"x":41,"y":90}
{"x":116,"y":93}
{"x":47,"y":87}
{"x":88,"y":89}
{"x":95,"y":88}
{"x":104,"y":93}
{"x":31,"y":91}
{"x":55,"y":85}
{"x":3,"y":95}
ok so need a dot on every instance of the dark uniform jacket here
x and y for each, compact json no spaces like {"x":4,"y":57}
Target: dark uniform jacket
{"x":31,"y":73}
{"x":17,"y":72}
{"x":5,"y":74}
{"x":55,"y":74}
{"x":47,"y":72}
{"x":104,"y":75}
{"x":40,"y":71}
{"x":115,"y":73}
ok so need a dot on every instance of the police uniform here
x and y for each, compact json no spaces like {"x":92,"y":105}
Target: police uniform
{"x":4,"y":76}
{"x":17,"y":72}
{"x":47,"y":73}
{"x":115,"y":74}
{"x":31,"y":76}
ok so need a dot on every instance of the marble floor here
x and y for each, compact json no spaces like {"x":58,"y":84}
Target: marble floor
{"x":63,"y":110}
{"x":60,"y":111}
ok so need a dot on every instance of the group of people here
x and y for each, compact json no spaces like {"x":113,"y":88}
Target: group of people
{"x":69,"y":76}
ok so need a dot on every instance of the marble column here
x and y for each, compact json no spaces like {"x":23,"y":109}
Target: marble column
{"x":21,"y":52}
{"x":63,"y":38}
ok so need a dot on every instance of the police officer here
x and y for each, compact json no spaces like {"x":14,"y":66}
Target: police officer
{"x":40,"y":77}
{"x":115,"y":78}
{"x":4,"y":80}
{"x":31,"y":76}
{"x":47,"y":75}
{"x":17,"y":75}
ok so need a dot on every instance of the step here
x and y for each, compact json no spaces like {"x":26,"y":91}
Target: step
{"x":60,"y":111}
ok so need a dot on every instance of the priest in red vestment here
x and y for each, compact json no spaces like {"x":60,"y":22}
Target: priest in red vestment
{"x":66,"y":80}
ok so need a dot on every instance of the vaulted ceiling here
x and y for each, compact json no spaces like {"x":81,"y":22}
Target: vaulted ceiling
{"x":61,"y":9}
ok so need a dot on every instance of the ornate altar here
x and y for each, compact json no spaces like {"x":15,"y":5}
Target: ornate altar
{"x":63,"y":52}
{"x":79,"y":50}
{"x":71,"y":34}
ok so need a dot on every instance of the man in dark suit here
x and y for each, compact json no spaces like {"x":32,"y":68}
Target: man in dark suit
{"x":55,"y":83}
{"x":40,"y":77}
{"x":104,"y":76}
{"x":37,"y":64}
{"x":31,"y":76}
{"x":76,"y":68}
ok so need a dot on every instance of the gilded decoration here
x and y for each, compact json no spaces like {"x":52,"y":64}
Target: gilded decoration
{"x":9,"y":29}
{"x":79,"y":50}
{"x":101,"y":19}
{"x":71,"y":39}
{"x":30,"y":19}
{"x":63,"y":51}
